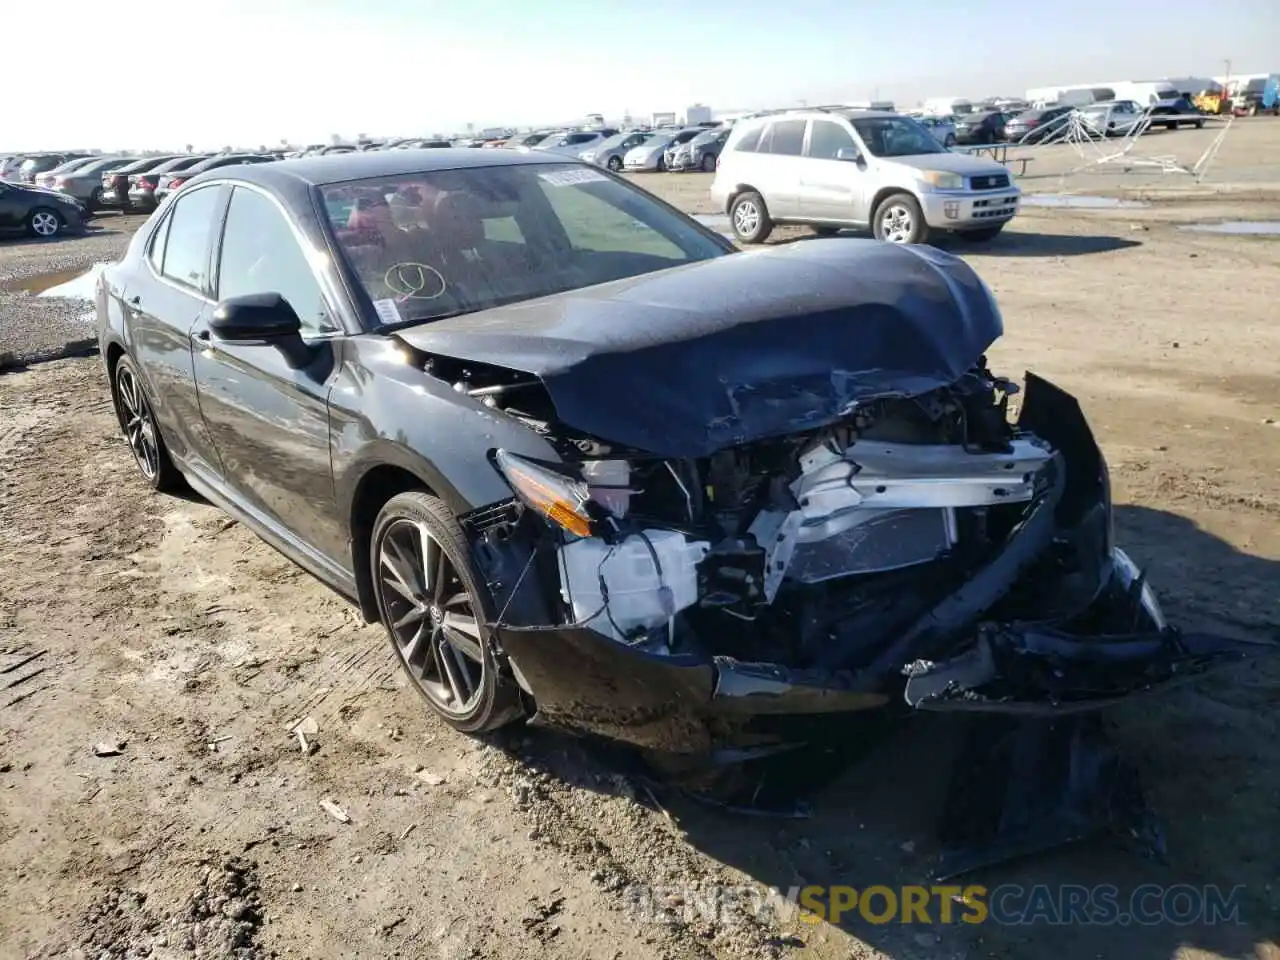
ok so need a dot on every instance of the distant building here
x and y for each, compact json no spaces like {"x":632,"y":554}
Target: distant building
{"x":697,"y":113}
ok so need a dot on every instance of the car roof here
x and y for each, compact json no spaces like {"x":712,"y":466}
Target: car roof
{"x":341,"y":167}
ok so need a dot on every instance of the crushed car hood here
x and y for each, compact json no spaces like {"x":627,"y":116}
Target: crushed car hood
{"x":687,"y":361}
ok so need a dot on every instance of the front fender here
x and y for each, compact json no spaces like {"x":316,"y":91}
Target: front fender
{"x":385,"y":411}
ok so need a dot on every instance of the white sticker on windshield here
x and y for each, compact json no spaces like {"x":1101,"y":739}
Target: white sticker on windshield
{"x":567,"y":178}
{"x":387,"y":311}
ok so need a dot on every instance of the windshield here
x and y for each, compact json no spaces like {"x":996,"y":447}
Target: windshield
{"x":896,"y":137}
{"x":446,"y":242}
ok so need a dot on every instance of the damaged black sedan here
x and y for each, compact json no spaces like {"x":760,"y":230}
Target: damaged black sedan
{"x":588,"y":464}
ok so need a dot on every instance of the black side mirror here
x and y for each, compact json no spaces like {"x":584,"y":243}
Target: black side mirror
{"x":255,"y":318}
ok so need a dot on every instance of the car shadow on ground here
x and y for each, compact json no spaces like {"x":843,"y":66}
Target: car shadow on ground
{"x":1009,"y":244}
{"x":875,"y":804}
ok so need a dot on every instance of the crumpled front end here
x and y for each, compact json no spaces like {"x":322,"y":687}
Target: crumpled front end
{"x":924,"y":553}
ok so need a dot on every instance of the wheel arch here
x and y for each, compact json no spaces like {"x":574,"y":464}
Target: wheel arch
{"x":883,"y":194}
{"x":375,"y":486}
{"x":737,"y":191}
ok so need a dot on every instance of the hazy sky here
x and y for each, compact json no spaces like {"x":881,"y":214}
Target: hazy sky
{"x":212,"y":72}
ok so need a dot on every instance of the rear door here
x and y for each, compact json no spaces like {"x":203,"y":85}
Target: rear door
{"x":266,"y":406}
{"x":780,"y":164}
{"x":831,"y":190}
{"x":165,"y":298}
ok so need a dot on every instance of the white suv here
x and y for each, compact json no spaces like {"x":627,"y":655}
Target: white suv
{"x":857,"y":168}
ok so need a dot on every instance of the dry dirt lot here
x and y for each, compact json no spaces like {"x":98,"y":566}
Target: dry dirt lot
{"x":155,"y":625}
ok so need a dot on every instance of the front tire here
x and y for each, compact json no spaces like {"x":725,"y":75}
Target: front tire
{"x":899,"y":219}
{"x":749,"y":218}
{"x":435,"y":610}
{"x":44,"y":223}
{"x":614,"y":164}
{"x":141,"y":432}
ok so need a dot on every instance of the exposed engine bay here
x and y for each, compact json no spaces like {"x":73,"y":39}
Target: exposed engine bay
{"x":807,"y":550}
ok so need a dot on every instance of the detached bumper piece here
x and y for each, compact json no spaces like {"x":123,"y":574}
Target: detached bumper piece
{"x":1040,"y":672}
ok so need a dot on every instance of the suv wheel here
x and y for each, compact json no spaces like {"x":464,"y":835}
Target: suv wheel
{"x":750,"y":218}
{"x":899,"y":219}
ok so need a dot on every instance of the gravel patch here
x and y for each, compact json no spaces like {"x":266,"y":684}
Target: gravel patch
{"x":33,"y":328}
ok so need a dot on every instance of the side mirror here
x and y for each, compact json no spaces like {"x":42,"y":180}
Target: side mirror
{"x":849,"y":154}
{"x":255,"y":318}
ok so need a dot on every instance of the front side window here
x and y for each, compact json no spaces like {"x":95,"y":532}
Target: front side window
{"x":827,"y":138}
{"x":896,"y":137}
{"x":261,"y":254}
{"x":186,"y":249}
{"x":445,"y":242}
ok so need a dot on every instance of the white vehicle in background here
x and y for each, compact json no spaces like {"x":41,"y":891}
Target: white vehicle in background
{"x":942,"y":128}
{"x":610,"y":151}
{"x":649,"y":156}
{"x":1118,"y":118}
{"x":574,"y":142}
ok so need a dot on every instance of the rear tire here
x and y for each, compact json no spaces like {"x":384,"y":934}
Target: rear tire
{"x":899,"y":219}
{"x":749,"y":218}
{"x":141,"y":432}
{"x":44,"y":223}
{"x":94,"y":203}
{"x":709,"y":163}
{"x":435,"y":608}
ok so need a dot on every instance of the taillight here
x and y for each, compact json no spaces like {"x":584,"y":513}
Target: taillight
{"x":60,"y":182}
{"x":175,"y":184}
{"x":147,"y":183}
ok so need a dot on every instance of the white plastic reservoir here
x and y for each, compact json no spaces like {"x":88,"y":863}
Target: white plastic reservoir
{"x":647,"y":583}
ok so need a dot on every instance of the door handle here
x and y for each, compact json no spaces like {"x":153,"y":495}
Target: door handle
{"x":201,"y":336}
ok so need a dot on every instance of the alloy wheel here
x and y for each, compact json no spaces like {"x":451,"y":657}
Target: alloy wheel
{"x":615,"y":164}
{"x":44,"y":224}
{"x":139,"y":424}
{"x":896,"y":225}
{"x":746,"y":218}
{"x":431,"y":617}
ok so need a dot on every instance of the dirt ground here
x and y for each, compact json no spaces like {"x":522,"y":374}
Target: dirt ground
{"x":156,"y":631}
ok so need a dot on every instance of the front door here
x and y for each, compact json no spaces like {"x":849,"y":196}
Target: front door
{"x":161,"y":303}
{"x":266,"y":406}
{"x":831,"y":190}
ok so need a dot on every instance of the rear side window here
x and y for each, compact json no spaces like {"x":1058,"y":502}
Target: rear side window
{"x":785,"y":137}
{"x":261,"y":254}
{"x":186,"y":249}
{"x":749,"y":142}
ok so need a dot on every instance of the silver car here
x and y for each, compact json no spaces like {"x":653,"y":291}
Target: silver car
{"x":84,"y":182}
{"x":649,"y":155}
{"x":833,"y":169}
{"x":609,"y":153}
